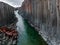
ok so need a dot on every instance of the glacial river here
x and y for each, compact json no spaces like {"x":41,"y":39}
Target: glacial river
{"x":27,"y":34}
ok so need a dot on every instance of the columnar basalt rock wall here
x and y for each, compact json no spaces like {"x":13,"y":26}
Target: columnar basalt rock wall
{"x":6,"y":14}
{"x":44,"y":15}
{"x":8,"y":33}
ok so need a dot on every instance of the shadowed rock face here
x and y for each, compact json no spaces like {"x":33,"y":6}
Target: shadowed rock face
{"x":45,"y":17}
{"x":6,"y":14}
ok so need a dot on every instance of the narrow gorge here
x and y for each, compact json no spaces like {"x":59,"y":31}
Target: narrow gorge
{"x":31,"y":22}
{"x":44,"y":16}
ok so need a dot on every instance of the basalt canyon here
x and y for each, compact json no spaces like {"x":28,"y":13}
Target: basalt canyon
{"x":44,"y":15}
{"x":36,"y":22}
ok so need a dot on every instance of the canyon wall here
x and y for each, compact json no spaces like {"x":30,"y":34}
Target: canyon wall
{"x":8,"y":34}
{"x":44,"y":15}
{"x":6,"y":14}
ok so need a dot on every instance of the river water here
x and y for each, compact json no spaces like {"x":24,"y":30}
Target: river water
{"x":27,"y":34}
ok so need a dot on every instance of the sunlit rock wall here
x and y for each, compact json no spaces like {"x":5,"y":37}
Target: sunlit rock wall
{"x":44,"y":15}
{"x":6,"y":14}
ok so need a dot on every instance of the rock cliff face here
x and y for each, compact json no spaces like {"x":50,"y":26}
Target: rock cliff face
{"x":8,"y":34}
{"x":44,"y":15}
{"x":6,"y":14}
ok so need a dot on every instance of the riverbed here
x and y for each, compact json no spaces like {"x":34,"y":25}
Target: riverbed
{"x":27,"y":34}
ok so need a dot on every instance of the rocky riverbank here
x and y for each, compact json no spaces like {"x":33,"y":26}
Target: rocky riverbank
{"x":8,"y":36}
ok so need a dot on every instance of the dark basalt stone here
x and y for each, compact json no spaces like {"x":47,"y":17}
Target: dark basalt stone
{"x":7,"y":15}
{"x":8,"y":36}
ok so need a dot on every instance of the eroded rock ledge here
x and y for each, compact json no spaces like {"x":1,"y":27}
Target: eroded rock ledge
{"x":8,"y":36}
